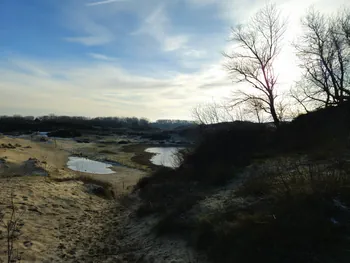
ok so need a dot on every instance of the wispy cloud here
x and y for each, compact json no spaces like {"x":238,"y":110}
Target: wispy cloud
{"x":104,"y":2}
{"x":172,"y":59}
{"x":101,"y":57}
{"x":89,"y":40}
{"x":101,"y":88}
{"x":157,"y":25}
{"x":28,"y":67}
{"x":172,"y":43}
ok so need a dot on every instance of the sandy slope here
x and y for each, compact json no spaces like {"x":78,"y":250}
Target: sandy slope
{"x":46,"y":208}
{"x":62,"y":222}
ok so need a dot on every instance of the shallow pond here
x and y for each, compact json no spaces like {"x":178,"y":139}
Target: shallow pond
{"x":89,"y":166}
{"x":164,"y":156}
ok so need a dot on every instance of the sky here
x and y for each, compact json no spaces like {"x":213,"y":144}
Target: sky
{"x":146,"y":58}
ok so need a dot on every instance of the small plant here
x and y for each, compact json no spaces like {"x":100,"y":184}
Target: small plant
{"x":12,"y":227}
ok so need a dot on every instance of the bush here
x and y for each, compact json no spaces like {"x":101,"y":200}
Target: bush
{"x":64,"y":133}
{"x":292,"y":205}
{"x":163,"y":191}
{"x":233,"y":144}
{"x":300,"y":216}
{"x":290,"y":230}
{"x":323,"y":130}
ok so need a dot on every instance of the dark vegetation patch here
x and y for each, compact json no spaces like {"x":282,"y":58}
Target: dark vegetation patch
{"x":140,"y":156}
{"x":300,"y":213}
{"x":65,"y":133}
{"x":123,"y":142}
{"x":52,"y":123}
{"x":319,"y":131}
{"x":7,"y":146}
{"x":92,"y":185}
{"x":84,"y":140}
{"x":294,"y":206}
{"x":161,"y":136}
{"x":106,"y":151}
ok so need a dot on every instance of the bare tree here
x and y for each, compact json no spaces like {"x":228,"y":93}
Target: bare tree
{"x":307,"y":95}
{"x":210,"y":113}
{"x":324,"y":52}
{"x":205,"y":114}
{"x":345,"y":24}
{"x":256,"y":107}
{"x":252,"y":61}
{"x":251,"y":105}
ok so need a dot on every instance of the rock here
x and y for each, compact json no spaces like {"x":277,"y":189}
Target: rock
{"x":27,"y":243}
{"x":31,"y":167}
{"x":95,"y":189}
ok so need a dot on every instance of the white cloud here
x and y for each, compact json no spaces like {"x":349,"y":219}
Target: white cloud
{"x":29,"y":67}
{"x":104,"y":2}
{"x":172,"y":43}
{"x":195,"y":53}
{"x":90,"y":40}
{"x":87,"y":30}
{"x":157,"y":25}
{"x":105,"y":89}
{"x":202,"y":2}
{"x":99,"y":87}
{"x":101,"y":57}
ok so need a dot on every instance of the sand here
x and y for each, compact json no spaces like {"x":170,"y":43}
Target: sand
{"x":46,"y":208}
{"x":60,"y":221}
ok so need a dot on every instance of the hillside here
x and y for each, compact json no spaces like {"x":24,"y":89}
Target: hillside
{"x":252,"y":193}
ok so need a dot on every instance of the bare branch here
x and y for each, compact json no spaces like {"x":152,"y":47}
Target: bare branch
{"x":324,"y":52}
{"x":257,"y":44}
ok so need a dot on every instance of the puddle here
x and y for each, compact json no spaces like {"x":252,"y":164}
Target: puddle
{"x":89,"y":166}
{"x":164,"y":156}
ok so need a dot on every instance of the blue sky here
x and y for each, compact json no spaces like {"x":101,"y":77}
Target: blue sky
{"x":151,"y":58}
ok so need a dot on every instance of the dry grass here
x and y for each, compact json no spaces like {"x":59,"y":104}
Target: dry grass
{"x":300,"y":214}
{"x":296,"y":210}
{"x":107,"y":189}
{"x":11,"y":222}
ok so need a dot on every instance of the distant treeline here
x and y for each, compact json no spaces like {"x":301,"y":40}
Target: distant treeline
{"x":18,"y":123}
{"x":171,"y":124}
{"x":52,"y":122}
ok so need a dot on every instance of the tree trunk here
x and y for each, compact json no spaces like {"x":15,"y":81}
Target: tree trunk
{"x":274,"y":114}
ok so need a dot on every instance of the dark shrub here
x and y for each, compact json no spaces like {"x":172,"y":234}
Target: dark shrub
{"x":64,"y":133}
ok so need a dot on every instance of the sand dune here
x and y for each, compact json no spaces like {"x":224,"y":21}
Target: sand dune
{"x":60,"y":221}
